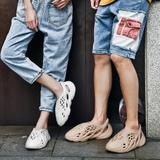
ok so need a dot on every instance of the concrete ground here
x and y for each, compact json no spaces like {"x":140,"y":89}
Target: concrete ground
{"x":12,"y":141}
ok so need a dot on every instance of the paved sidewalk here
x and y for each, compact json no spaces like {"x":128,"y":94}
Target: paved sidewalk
{"x":12,"y":140}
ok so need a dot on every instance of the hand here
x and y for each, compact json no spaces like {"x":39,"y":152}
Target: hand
{"x":31,"y":19}
{"x":60,"y":3}
{"x":94,"y":4}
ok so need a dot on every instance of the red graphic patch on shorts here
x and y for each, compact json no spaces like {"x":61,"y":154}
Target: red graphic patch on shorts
{"x":129,"y":28}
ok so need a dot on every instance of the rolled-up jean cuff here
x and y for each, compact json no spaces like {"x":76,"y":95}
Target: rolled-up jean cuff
{"x":100,"y":52}
{"x":45,"y":109}
{"x":36,"y":77}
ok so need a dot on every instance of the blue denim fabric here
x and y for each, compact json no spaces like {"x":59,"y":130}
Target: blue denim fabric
{"x":107,"y":24}
{"x":57,"y":28}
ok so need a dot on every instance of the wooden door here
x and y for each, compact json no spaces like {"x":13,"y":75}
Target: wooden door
{"x":19,"y":101}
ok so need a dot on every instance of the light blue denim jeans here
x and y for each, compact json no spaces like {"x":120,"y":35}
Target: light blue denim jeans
{"x":119,"y":27}
{"x":57,"y":28}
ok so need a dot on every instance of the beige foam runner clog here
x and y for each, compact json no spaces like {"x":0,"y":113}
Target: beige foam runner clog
{"x":89,"y":130}
{"x":124,"y":142}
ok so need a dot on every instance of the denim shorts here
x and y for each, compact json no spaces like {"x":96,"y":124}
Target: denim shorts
{"x":119,"y":27}
{"x":56,"y":25}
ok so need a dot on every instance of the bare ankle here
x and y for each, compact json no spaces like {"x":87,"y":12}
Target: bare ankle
{"x":99,"y":120}
{"x":59,"y":90}
{"x":132,"y":127}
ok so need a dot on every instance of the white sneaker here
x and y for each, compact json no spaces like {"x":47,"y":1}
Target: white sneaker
{"x":37,"y":139}
{"x":62,"y":108}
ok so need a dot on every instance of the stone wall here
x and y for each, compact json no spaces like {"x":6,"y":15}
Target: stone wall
{"x":152,"y":72}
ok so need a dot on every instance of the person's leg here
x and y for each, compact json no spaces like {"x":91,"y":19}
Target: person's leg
{"x":56,"y":88}
{"x":13,"y":55}
{"x":50,"y":83}
{"x":129,"y":87}
{"x":102,"y":86}
{"x":57,"y":45}
{"x":14,"y":50}
{"x":102,"y":64}
{"x":42,"y":122}
{"x":99,"y":126}
{"x":125,"y":42}
{"x":131,"y":136}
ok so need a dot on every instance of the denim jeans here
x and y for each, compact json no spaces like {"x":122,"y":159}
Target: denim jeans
{"x":57,"y":28}
{"x":119,"y":27}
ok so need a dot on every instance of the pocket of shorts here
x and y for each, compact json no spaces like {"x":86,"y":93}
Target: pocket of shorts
{"x":132,"y":29}
{"x":57,"y":17}
{"x":129,"y":28}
